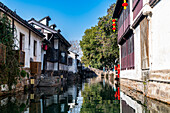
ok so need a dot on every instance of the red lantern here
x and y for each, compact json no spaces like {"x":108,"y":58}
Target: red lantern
{"x":114,"y":24}
{"x":114,"y":20}
{"x":113,"y":28}
{"x":45,"y":48}
{"x":125,"y":4}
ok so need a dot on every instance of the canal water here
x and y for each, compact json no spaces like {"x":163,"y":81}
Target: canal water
{"x":93,"y":95}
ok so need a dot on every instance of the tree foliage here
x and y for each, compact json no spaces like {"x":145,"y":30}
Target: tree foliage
{"x":9,"y":72}
{"x":99,"y":43}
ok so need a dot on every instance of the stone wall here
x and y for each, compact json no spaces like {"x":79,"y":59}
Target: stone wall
{"x":154,"y":89}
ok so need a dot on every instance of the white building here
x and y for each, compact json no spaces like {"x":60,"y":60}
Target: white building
{"x":54,"y":59}
{"x":143,"y":37}
{"x":72,"y":62}
{"x":29,"y":39}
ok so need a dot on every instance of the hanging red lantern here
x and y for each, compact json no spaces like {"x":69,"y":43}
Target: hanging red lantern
{"x":114,"y":25}
{"x":45,"y":47}
{"x":125,"y":4}
{"x":114,"y":20}
{"x":113,"y":28}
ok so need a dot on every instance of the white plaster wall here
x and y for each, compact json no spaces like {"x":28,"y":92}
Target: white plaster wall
{"x":39,"y":43}
{"x":63,"y":67}
{"x":72,"y":68}
{"x":56,"y":66}
{"x":160,"y":33}
{"x":26,"y":48}
{"x":50,"y":66}
{"x":131,"y":13}
{"x":137,"y":53}
{"x":43,"y":21}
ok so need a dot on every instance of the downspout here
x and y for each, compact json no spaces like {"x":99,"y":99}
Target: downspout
{"x":58,"y":53}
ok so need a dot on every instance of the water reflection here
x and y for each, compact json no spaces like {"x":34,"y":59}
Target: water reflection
{"x":82,"y":97}
{"x":89,"y":96}
{"x":135,"y":102}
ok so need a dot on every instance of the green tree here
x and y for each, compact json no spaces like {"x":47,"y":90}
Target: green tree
{"x":99,"y":43}
{"x":9,"y":72}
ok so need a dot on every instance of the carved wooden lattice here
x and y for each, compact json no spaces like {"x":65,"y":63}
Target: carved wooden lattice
{"x":2,"y":54}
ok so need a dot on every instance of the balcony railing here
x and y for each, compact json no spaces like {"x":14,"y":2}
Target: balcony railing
{"x":20,"y":55}
{"x":2,"y":54}
{"x":35,"y":67}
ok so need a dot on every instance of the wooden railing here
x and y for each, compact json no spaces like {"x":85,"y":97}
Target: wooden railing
{"x":20,"y":55}
{"x":2,"y":54}
{"x":35,"y":67}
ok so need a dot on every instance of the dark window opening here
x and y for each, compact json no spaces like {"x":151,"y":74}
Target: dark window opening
{"x":70,"y":61}
{"x":35,"y":48}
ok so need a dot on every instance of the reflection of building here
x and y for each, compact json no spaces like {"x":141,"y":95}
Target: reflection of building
{"x":72,"y":62}
{"x":143,"y":39}
{"x":55,"y":47}
{"x":135,"y":102}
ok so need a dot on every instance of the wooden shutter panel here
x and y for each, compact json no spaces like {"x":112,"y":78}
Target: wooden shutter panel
{"x":144,"y":28}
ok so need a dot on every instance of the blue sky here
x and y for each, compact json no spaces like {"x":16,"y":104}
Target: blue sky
{"x":72,"y":17}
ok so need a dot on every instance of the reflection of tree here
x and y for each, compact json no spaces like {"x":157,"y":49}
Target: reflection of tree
{"x":99,"y":99}
{"x":12,"y":106}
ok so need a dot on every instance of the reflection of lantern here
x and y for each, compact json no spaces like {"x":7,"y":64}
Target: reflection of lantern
{"x":125,"y":4}
{"x":118,"y":69}
{"x":32,"y":96}
{"x":32,"y":80}
{"x":61,"y":76}
{"x":61,"y":88}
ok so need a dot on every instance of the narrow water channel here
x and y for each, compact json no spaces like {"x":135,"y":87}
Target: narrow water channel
{"x":95,"y":95}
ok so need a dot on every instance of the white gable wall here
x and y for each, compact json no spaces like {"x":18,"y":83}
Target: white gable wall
{"x":73,"y":68}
